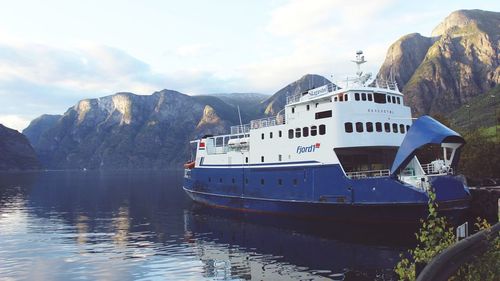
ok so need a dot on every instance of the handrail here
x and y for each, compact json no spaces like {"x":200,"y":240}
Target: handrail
{"x":368,"y":174}
{"x":444,"y":265}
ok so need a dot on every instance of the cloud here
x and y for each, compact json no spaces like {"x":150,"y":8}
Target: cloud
{"x":192,"y":50}
{"x":15,"y":122}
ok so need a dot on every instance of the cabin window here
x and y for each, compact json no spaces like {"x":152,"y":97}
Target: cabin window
{"x":261,"y":181}
{"x":359,"y":127}
{"x":262,"y":159}
{"x":369,"y":127}
{"x":220,"y":180}
{"x":394,"y":127}
{"x":398,"y":99}
{"x":341,"y":97}
{"x":322,"y":129}
{"x":356,"y":96}
{"x":305,"y":131}
{"x":394,"y":99}
{"x":280,"y":134}
{"x":370,"y":98}
{"x":246,"y":180}
{"x":387,"y":127}
{"x":209,"y":179}
{"x":262,"y":136}
{"x":388,"y":99}
{"x":346,"y":97}
{"x":246,"y":159}
{"x":290,"y":134}
{"x":378,"y":127}
{"x":379,"y":98}
{"x":335,"y":98}
{"x":348,"y":127}
{"x":308,"y":107}
{"x":314,"y":130}
{"x":317,"y":105}
{"x":280,"y":157}
{"x":270,"y":135}
{"x":295,"y":182}
{"x":293,"y":109}
{"x":233,"y":180}
{"x":401,"y":128}
{"x":297,"y":132}
{"x":323,"y":114}
{"x":363,"y":96}
{"x":280,"y":181}
{"x":407,"y":128}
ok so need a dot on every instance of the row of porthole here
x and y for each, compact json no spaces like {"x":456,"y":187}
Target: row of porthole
{"x":388,"y":127}
{"x":304,"y":132}
{"x":295,"y":182}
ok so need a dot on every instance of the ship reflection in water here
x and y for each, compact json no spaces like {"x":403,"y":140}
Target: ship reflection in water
{"x":139,"y":225}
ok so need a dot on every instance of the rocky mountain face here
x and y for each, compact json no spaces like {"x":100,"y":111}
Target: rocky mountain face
{"x":16,"y":152}
{"x":460,"y":61}
{"x":125,"y":130}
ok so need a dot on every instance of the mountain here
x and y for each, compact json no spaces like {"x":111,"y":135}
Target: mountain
{"x":249,"y":103}
{"x":276,"y":102}
{"x":460,"y":61}
{"x":38,"y":126}
{"x":16,"y":152}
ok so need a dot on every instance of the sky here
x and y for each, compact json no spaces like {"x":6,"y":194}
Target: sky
{"x":54,"y":53}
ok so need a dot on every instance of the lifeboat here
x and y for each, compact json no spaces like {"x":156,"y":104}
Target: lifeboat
{"x":189,"y":165}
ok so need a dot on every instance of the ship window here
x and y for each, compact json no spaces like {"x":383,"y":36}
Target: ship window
{"x":356,"y":96}
{"x":369,"y":127}
{"x":280,"y":157}
{"x":295,"y":182}
{"x":346,"y":97}
{"x":233,"y":180}
{"x":394,"y":127}
{"x":363,"y":96}
{"x":393,"y":99}
{"x":262,"y":136}
{"x":378,"y":127}
{"x":322,"y":129}
{"x":379,"y":98}
{"x":335,"y":98}
{"x":305,"y":131}
{"x":262,"y":181}
{"x":220,"y":180}
{"x":290,"y":134}
{"x":262,"y":159}
{"x":341,"y":97}
{"x":348,"y":127}
{"x":246,"y":159}
{"x":370,"y":98}
{"x":308,"y":107}
{"x":270,"y":135}
{"x":209,"y":179}
{"x":280,"y":134}
{"x":323,"y":114}
{"x":280,"y":181}
{"x":398,"y":100}
{"x":359,"y":127}
{"x":293,"y":109}
{"x":317,"y":105}
{"x":219,"y":142}
{"x":388,"y":99}
{"x":407,"y":128}
{"x":246,"y":180}
{"x":297,"y":132}
{"x":401,"y":128}
{"x":314,"y":130}
{"x":387,"y":127}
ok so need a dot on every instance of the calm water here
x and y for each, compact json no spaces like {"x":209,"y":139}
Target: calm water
{"x":139,"y":225}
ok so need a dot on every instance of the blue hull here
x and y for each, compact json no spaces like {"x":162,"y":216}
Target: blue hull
{"x":323,"y":192}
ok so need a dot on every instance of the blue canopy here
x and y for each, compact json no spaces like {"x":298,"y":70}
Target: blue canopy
{"x":425,"y":130}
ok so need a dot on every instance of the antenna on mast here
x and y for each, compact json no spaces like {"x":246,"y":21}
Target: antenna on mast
{"x":239,"y":115}
{"x":360,"y":59}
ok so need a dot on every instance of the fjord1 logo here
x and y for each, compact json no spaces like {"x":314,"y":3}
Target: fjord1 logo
{"x":304,"y":149}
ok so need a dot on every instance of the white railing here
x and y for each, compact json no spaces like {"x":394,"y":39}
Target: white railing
{"x":436,"y":169}
{"x":240,"y":129}
{"x":294,"y":98}
{"x":385,"y":84}
{"x":267,"y":122}
{"x":368,"y":174}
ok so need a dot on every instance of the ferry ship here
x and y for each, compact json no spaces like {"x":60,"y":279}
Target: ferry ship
{"x":342,"y":153}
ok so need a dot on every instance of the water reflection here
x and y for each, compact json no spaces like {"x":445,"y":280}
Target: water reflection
{"x":139,"y":225}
